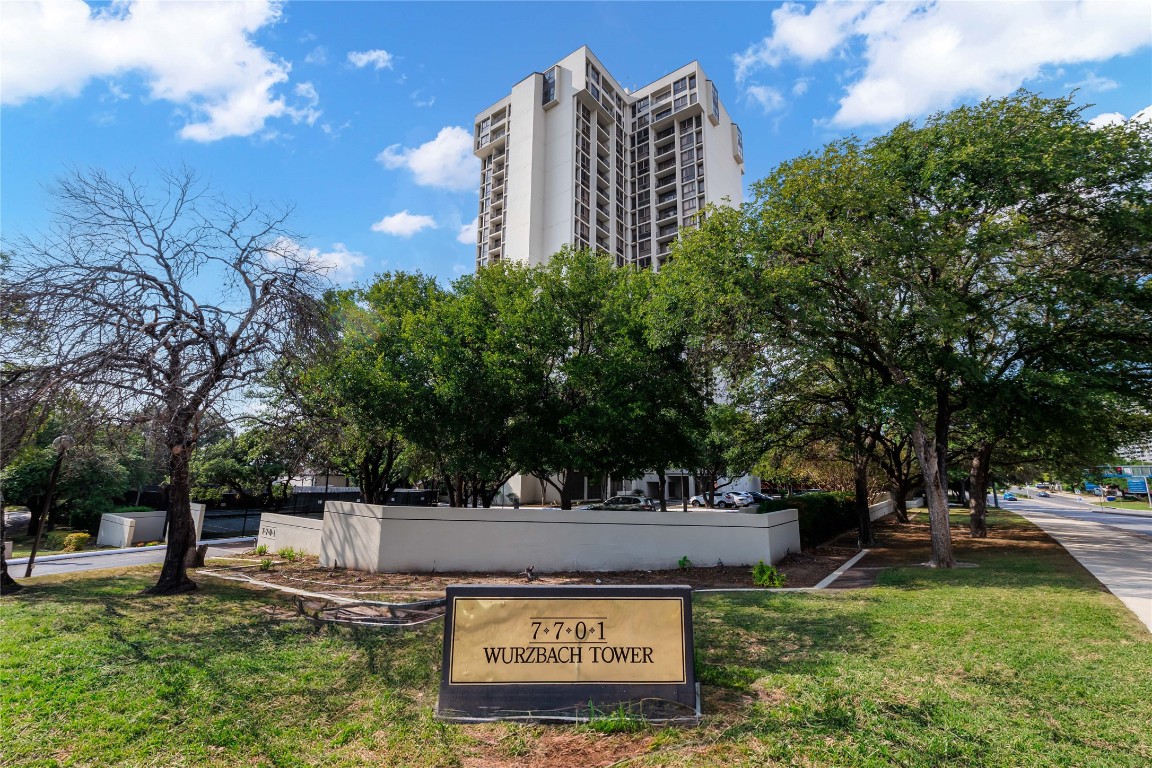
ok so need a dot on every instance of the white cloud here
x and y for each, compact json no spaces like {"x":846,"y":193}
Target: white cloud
{"x":924,"y":55}
{"x":1117,"y":118}
{"x":467,"y":233}
{"x":403,"y":224}
{"x":800,"y":87}
{"x":318,"y":55}
{"x":203,"y":60}
{"x":1093,"y":83}
{"x":796,"y":34}
{"x":342,"y":265}
{"x":306,"y":111}
{"x":446,"y":161}
{"x":379,"y":59}
{"x":339,"y":264}
{"x":1108,"y":118}
{"x":768,"y":98}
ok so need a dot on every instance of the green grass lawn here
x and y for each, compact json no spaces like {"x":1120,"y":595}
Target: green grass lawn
{"x":1141,"y":506}
{"x":1022,"y":660}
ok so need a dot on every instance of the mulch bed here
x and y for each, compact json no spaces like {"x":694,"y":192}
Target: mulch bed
{"x":805,"y":569}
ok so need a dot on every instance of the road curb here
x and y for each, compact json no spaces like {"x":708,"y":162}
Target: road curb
{"x":123,"y":551}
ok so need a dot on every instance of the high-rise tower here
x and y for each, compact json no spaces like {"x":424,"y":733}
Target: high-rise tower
{"x":571,"y":157}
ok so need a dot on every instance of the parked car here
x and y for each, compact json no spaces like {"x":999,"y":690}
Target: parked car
{"x":759,"y":498}
{"x":1043,"y":494}
{"x":733,"y":500}
{"x":723,"y":500}
{"x":618,"y":502}
{"x":1009,"y":496}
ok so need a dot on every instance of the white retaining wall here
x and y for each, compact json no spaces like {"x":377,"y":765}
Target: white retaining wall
{"x":879,"y":510}
{"x":128,"y":528}
{"x":375,"y":538}
{"x":279,"y":532}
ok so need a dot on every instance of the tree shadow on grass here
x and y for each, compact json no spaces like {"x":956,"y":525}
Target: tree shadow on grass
{"x":743,"y":636}
{"x":214,"y":661}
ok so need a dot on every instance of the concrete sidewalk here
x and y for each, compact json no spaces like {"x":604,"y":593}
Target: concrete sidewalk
{"x":1121,"y":560}
{"x":118,"y":558}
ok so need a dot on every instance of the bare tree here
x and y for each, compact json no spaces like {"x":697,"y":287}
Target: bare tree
{"x":162,"y":300}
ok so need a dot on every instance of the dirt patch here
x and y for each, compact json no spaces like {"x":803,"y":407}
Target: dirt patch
{"x":909,"y":544}
{"x":528,"y":748}
{"x":805,"y":569}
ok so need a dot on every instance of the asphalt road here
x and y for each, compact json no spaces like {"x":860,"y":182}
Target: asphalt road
{"x":112,"y":559}
{"x":1116,"y":547}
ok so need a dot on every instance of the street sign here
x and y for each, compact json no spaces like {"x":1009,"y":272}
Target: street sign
{"x":1138,"y":485}
{"x":1090,"y":486}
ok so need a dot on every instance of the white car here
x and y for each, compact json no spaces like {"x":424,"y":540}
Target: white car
{"x":738,"y":499}
{"x":725,"y":500}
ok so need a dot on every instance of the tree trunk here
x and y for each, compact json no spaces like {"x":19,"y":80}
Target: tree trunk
{"x":8,"y":585}
{"x":936,"y":490}
{"x":181,"y":529}
{"x":372,"y":477}
{"x":900,"y":503}
{"x":452,"y":500}
{"x":561,"y":488}
{"x":861,"y":450}
{"x":863,"y":514}
{"x":663,"y":489}
{"x":978,"y":517}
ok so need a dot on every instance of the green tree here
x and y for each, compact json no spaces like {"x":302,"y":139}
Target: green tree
{"x":478,"y":350}
{"x":368,"y":385}
{"x":991,"y":237}
{"x":612,"y":397}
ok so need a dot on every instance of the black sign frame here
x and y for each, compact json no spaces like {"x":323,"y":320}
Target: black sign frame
{"x":564,"y":702}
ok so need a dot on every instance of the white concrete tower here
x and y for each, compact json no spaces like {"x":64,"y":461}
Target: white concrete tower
{"x":570,"y":157}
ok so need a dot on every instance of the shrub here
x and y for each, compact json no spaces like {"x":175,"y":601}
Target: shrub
{"x":764,"y":575}
{"x":207,"y":494}
{"x":87,"y":518}
{"x":54,"y":540}
{"x":126,"y":510}
{"x":75,"y":542}
{"x":266,"y":564}
{"x":262,"y":549}
{"x":822,"y":516}
{"x":685,"y":563}
{"x":289,"y":554}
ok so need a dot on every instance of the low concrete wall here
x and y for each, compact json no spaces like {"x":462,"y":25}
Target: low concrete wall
{"x":128,"y":528}
{"x":115,"y":531}
{"x":374,"y":538}
{"x":279,"y":532}
{"x":877,"y":511}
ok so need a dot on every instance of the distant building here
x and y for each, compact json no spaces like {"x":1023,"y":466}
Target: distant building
{"x":572,"y":157}
{"x":1139,"y":452}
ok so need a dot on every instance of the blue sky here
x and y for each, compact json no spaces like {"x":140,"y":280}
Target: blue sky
{"x":360,"y":113}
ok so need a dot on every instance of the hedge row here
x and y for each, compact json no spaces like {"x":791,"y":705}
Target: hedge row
{"x":822,"y":516}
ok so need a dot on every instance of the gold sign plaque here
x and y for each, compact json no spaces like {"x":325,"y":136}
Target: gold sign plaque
{"x":526,"y":640}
